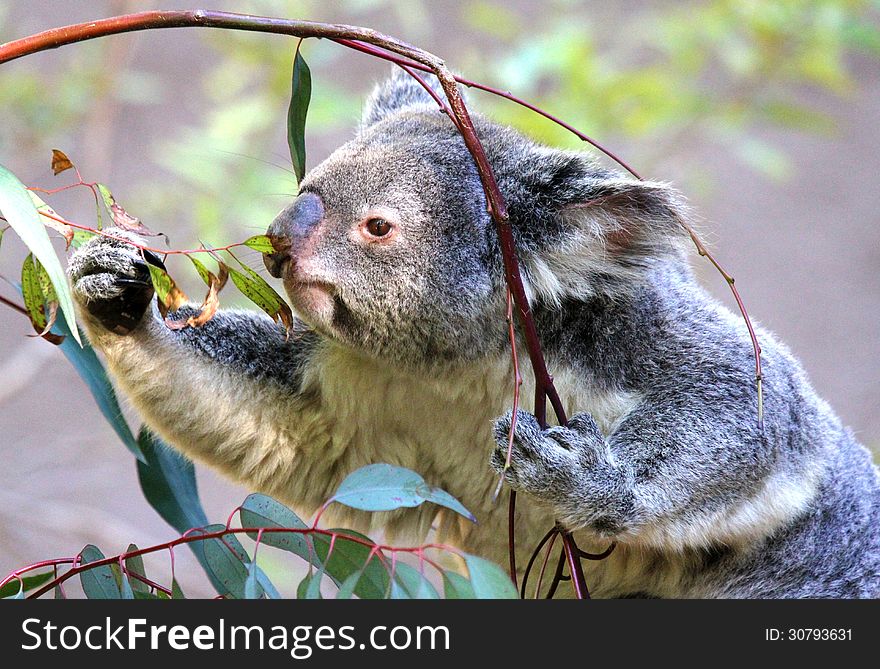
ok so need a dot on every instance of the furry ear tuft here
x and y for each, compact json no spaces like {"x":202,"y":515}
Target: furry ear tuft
{"x":592,"y":231}
{"x":397,"y":93}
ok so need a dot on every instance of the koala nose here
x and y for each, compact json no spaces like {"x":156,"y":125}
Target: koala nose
{"x":291,"y":228}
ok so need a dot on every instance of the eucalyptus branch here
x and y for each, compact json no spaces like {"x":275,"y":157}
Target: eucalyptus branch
{"x":198,"y":534}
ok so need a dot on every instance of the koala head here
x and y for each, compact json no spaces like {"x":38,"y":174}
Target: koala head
{"x":389,"y":248}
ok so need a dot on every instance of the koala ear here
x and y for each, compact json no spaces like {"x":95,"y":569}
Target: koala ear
{"x":594,"y":231}
{"x":400,"y":91}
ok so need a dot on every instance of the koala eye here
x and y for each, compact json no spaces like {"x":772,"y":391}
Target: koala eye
{"x":378,"y":227}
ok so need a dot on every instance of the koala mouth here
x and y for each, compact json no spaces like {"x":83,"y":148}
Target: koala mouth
{"x":313,"y":300}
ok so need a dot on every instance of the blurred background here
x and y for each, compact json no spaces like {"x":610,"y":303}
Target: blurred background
{"x":764,"y":113}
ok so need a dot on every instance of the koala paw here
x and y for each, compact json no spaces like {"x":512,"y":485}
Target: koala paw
{"x":549,"y":464}
{"x":111,"y":280}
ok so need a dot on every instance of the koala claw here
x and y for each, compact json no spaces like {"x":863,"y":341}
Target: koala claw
{"x":111,"y":281}
{"x":546,"y":462}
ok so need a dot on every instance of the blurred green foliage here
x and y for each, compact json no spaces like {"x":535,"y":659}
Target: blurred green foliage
{"x":654,"y":78}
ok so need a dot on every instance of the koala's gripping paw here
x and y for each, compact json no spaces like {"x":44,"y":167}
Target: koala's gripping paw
{"x":111,"y":280}
{"x":549,"y":464}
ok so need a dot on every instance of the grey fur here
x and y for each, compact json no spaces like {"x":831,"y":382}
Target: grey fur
{"x":701,"y":501}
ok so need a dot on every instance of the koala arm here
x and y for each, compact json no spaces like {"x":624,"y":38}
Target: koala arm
{"x":672,"y":475}
{"x":229,"y":393}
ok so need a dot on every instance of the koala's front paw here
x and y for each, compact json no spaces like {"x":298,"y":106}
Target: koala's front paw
{"x":111,"y":281}
{"x":554,"y":465}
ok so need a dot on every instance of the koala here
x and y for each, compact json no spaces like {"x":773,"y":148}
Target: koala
{"x":400,"y":354}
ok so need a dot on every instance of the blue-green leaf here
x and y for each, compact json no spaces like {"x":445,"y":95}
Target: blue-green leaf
{"x":260,"y":511}
{"x":267,"y":585}
{"x":310,"y":586}
{"x":226,"y":559}
{"x":251,"y":587}
{"x":168,"y":481}
{"x":456,"y":586}
{"x":300,"y":95}
{"x":489,"y":581}
{"x":99,"y":582}
{"x":410,"y":583}
{"x":125,"y":586}
{"x":383,"y":487}
{"x":19,"y":210}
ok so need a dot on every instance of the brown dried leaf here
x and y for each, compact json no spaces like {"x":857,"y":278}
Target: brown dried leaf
{"x":60,"y":162}
{"x":210,"y":305}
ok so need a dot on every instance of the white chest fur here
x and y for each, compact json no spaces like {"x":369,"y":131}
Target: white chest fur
{"x":440,"y":425}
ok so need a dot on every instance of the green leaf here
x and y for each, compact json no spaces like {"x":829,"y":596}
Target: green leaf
{"x":34,"y":301}
{"x":262,"y":511}
{"x":21,"y":214}
{"x":411,"y":583}
{"x":162,"y":282}
{"x":260,"y":243}
{"x":203,"y":271}
{"x":80,"y":237}
{"x":19,"y":592}
{"x":255,"y":288}
{"x":106,"y":196}
{"x":489,"y":581}
{"x":97,"y":583}
{"x":11,"y":589}
{"x":135,"y":565}
{"x":176,"y":592}
{"x":149,"y":595}
{"x":383,"y":487}
{"x":310,"y":586}
{"x":346,"y":589}
{"x":456,"y":586}
{"x":350,"y":557}
{"x":301,"y":93}
{"x":226,"y":561}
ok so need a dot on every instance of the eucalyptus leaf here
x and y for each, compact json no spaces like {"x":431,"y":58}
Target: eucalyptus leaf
{"x":412,"y":583}
{"x":488,"y":580}
{"x":135,"y":565}
{"x":252,"y":589}
{"x":261,"y":511}
{"x":98,"y":582}
{"x":456,"y":586}
{"x":260,"y":243}
{"x":383,"y":487}
{"x":19,"y":210}
{"x":349,"y":557}
{"x":11,"y":589}
{"x":300,"y":95}
{"x":226,"y":561}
